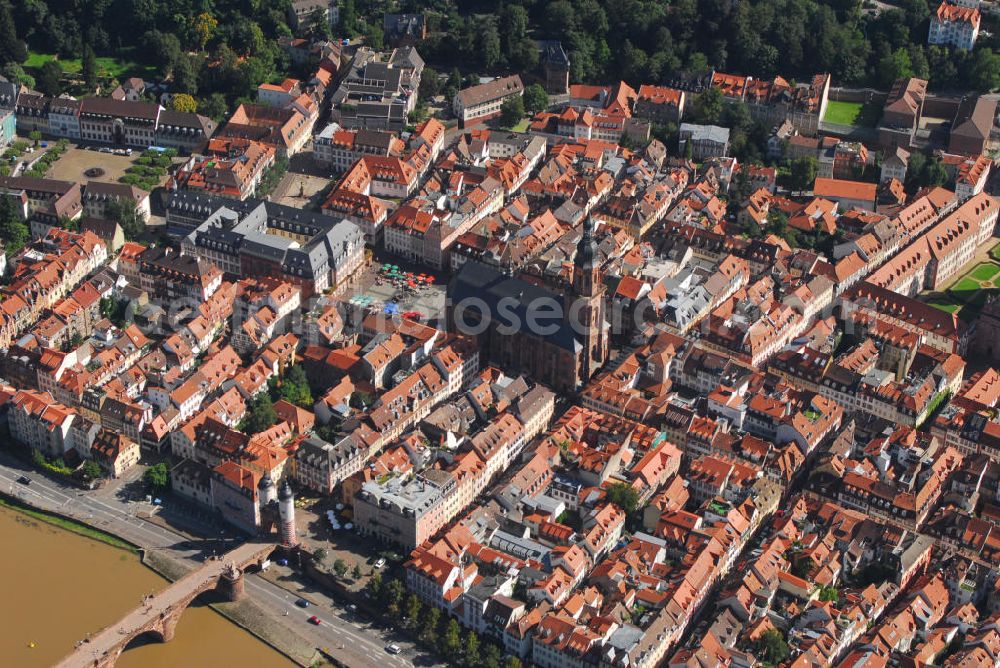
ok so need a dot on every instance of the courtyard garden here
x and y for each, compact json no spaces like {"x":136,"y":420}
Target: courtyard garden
{"x":852,"y":113}
{"x":970,"y":290}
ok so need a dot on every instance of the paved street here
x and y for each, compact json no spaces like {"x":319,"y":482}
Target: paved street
{"x":341,"y":633}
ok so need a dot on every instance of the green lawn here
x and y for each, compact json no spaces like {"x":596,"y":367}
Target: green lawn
{"x":852,"y":113}
{"x":995,"y":252}
{"x":522,"y":126}
{"x":947,"y":307}
{"x":984,"y":271}
{"x":115,"y":68}
{"x":965,"y":289}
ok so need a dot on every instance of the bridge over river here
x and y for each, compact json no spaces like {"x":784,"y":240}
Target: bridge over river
{"x":159,"y":613}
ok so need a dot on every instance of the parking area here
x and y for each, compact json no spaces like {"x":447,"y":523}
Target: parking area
{"x":317,"y":532}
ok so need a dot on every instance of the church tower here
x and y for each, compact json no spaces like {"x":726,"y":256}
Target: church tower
{"x":587,"y":304}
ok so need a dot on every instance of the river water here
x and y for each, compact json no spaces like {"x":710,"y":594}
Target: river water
{"x":57,"y":586}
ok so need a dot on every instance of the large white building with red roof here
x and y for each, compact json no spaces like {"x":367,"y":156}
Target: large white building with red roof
{"x":954,"y":25}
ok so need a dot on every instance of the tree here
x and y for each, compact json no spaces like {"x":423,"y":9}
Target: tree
{"x":829,"y":594}
{"x":392,"y":593}
{"x":320,"y":555}
{"x":49,"y":78}
{"x":356,"y":572}
{"x":294,"y":387}
{"x":512,"y":662}
{"x":454,"y":84}
{"x":624,"y":496}
{"x":513,"y":24}
{"x":360,"y":400}
{"x":922,"y":171}
{"x":491,"y":656}
{"x":185,"y":75}
{"x":489,"y":45}
{"x":214,"y":106}
{"x":349,"y":17}
{"x":248,"y":39}
{"x":16,"y":74}
{"x":471,"y":651}
{"x":319,"y":25}
{"x":984,"y":70}
{"x":512,"y":111}
{"x":892,"y":66}
{"x":127,"y":215}
{"x":375,"y":585}
{"x":560,"y":18}
{"x":430,"y":84}
{"x":429,"y":625}
{"x":13,"y":229}
{"x":91,"y":470}
{"x":535,"y":98}
{"x":340,"y":568}
{"x":412,"y":611}
{"x":523,"y":55}
{"x":184,"y":102}
{"x":707,"y":107}
{"x":12,"y":50}
{"x":373,"y":36}
{"x":801,"y":565}
{"x":451,"y":641}
{"x":89,"y":67}
{"x":162,"y":49}
{"x":804,"y":172}
{"x":204,"y":26}
{"x":260,"y":415}
{"x":772,"y":646}
{"x":157,"y":477}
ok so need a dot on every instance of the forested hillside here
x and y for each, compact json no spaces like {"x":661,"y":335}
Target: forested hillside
{"x":219,"y":50}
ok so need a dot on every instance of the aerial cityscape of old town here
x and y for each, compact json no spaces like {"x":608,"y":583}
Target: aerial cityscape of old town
{"x":500,"y":333}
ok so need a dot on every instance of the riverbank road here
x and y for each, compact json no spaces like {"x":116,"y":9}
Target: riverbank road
{"x":363,"y":645}
{"x":340,"y":631}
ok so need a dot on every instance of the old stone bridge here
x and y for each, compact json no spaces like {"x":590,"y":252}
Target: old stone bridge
{"x":159,"y":613}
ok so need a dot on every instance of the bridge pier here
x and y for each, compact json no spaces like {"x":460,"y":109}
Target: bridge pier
{"x":169,"y":625}
{"x":231,"y":583}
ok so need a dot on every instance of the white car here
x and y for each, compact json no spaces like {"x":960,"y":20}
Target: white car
{"x":393,"y":649}
{"x":380,"y":563}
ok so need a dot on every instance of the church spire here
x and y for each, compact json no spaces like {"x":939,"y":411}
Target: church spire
{"x":587,"y":263}
{"x":586,"y":249}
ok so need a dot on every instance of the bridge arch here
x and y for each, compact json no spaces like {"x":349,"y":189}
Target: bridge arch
{"x":158,"y":615}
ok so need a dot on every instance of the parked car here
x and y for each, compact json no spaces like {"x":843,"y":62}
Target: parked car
{"x":302,"y":603}
{"x":393,"y":649}
{"x":380,"y":563}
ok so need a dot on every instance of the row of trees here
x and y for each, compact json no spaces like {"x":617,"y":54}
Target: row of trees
{"x":436,"y":631}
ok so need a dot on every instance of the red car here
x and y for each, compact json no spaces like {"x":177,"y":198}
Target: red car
{"x":315,"y":620}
